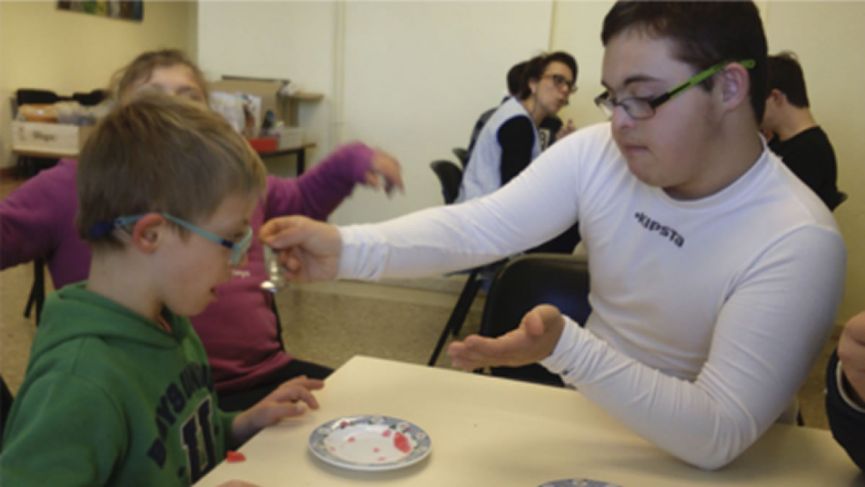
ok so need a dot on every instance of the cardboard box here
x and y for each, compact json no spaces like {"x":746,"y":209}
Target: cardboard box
{"x":267,"y":90}
{"x":273,"y":93}
{"x":48,"y":139}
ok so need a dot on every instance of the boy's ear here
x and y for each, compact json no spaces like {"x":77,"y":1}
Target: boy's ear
{"x":735,"y":85}
{"x":146,"y":232}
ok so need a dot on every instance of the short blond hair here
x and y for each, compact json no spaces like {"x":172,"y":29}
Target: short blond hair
{"x":161,"y":154}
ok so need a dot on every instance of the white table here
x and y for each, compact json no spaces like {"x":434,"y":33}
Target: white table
{"x":488,"y":431}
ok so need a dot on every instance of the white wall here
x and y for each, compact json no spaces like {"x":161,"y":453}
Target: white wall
{"x":43,"y":47}
{"x":577,"y":30}
{"x":286,"y":40}
{"x":418,"y":74}
{"x":828,"y":38}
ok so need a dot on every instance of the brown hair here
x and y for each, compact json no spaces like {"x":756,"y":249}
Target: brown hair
{"x":142,"y":67}
{"x":160,"y":153}
{"x":535,"y":67}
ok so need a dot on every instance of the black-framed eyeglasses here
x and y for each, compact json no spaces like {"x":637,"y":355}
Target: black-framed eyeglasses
{"x":561,"y":82}
{"x":641,"y":108}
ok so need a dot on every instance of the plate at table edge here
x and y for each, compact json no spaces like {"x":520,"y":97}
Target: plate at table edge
{"x":422,"y":445}
{"x":577,"y":483}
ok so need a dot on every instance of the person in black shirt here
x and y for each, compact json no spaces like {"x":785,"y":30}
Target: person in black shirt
{"x":797,"y":139}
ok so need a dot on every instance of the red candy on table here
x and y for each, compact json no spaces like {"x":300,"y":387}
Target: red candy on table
{"x":232,"y":456}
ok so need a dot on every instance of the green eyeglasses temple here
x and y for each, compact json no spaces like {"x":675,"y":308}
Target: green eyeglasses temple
{"x":697,"y":79}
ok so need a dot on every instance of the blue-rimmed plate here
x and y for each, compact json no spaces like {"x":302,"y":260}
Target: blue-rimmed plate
{"x":370,"y":443}
{"x":577,"y":483}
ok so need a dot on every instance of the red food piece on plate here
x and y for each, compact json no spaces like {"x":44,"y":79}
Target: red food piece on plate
{"x":232,"y":456}
{"x":401,"y":443}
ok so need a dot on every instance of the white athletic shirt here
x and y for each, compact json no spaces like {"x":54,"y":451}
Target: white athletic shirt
{"x":707,"y":314}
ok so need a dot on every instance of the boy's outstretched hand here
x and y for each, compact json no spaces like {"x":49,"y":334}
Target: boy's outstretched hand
{"x":285,"y":401}
{"x":308,"y":250}
{"x":534,"y":340}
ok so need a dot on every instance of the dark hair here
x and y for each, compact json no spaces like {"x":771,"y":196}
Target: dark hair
{"x":785,"y":75}
{"x":515,"y":77}
{"x":536,"y":66}
{"x":705,"y":33}
{"x":161,"y":153}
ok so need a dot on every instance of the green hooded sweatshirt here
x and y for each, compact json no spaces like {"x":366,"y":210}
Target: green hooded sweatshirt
{"x":110,"y":398}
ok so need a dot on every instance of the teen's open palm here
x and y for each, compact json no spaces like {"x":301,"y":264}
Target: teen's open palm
{"x":532,"y":341}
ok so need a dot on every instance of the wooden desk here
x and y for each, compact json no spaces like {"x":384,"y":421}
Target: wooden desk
{"x":299,"y":152}
{"x":489,"y":431}
{"x":46,"y":154}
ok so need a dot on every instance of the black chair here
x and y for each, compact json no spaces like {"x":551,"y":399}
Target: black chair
{"x":840,"y":197}
{"x":462,"y":155}
{"x":93,"y":98}
{"x":450,"y":176}
{"x":36,"y":299}
{"x":525,"y":282}
{"x":5,"y":407}
{"x":30,"y":95}
{"x":29,"y":166}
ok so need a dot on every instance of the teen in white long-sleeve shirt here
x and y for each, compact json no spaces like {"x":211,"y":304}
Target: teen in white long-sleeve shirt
{"x":707,"y":314}
{"x":715,"y":273}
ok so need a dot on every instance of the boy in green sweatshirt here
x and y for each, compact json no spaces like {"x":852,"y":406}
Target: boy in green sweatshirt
{"x":118,"y":389}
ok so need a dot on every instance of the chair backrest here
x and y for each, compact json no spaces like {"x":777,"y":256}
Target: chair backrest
{"x":93,"y":98}
{"x":840,"y":197}
{"x":462,"y":155}
{"x":525,"y":282}
{"x":28,"y":95}
{"x":450,"y":176}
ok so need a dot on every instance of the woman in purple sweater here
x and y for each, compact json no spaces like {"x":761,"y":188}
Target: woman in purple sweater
{"x":239,"y":329}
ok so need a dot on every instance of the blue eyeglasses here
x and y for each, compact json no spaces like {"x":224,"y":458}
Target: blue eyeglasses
{"x":238,"y":249}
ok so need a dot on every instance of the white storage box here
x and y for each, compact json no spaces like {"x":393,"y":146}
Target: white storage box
{"x":50,"y":139}
{"x":289,"y":137}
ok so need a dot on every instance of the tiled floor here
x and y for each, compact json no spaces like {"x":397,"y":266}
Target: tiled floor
{"x":330,"y":322}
